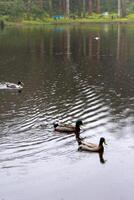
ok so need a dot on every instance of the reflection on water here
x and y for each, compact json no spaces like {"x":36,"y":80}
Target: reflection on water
{"x":68,"y":75}
{"x":102,"y":160}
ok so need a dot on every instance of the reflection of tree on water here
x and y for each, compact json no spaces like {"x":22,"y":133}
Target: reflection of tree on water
{"x":78,"y":55}
{"x":68,"y":61}
{"x":121,"y":70}
{"x":2,"y":24}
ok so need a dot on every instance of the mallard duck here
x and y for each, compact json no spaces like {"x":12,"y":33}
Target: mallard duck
{"x":18,"y":86}
{"x":85,"y":146}
{"x":69,"y":128}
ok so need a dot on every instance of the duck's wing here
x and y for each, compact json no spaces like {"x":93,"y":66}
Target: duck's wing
{"x":88,"y":144}
{"x":66,"y":125}
{"x":64,"y":129}
{"x":13,"y":86}
{"x":10,"y":85}
{"x":88,"y":148}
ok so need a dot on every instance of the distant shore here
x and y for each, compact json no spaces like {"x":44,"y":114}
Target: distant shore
{"x":68,"y":21}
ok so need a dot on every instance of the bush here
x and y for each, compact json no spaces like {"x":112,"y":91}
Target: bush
{"x":130,"y":8}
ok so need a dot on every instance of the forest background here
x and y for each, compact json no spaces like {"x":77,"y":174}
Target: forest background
{"x":47,"y":10}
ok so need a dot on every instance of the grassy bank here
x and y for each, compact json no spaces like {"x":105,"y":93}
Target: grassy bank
{"x":50,"y":21}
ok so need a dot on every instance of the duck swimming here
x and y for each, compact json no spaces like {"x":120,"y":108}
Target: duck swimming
{"x":69,"y":128}
{"x":19,"y":85}
{"x":85,"y":146}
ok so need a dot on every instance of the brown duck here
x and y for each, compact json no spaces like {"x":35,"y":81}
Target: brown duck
{"x":85,"y":146}
{"x":67,"y":128}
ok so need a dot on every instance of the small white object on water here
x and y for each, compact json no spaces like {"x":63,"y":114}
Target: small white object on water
{"x":96,"y":38}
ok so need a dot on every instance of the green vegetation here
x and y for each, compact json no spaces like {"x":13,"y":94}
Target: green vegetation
{"x":65,"y":11}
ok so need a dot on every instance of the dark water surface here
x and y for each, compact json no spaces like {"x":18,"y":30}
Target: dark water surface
{"x":68,"y":75}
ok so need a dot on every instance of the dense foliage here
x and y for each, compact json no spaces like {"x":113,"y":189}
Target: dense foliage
{"x":42,"y":8}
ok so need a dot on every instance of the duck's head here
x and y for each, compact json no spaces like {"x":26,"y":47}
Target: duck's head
{"x":55,"y":124}
{"x":79,"y":141}
{"x":102,"y":140}
{"x":79,"y":123}
{"x":20,"y":83}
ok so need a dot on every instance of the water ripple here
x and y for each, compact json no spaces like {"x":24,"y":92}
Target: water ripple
{"x":29,"y":136}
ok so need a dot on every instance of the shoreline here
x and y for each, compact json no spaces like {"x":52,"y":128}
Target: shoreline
{"x":68,"y":22}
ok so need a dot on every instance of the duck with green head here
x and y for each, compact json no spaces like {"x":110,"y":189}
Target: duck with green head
{"x":67,"y":128}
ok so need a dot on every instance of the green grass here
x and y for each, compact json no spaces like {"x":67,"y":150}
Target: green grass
{"x":94,"y":18}
{"x":131,"y":16}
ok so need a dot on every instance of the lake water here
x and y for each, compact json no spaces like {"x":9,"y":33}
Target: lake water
{"x":69,"y":74}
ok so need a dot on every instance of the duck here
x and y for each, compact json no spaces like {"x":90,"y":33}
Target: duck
{"x":69,"y":128}
{"x":19,"y":85}
{"x":91,"y":147}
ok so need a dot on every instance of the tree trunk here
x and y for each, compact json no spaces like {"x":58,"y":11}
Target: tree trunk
{"x":84,"y":8}
{"x":67,"y":8}
{"x":50,"y":7}
{"x":98,"y":10}
{"x":28,"y":7}
{"x":40,"y":4}
{"x":64,"y":6}
{"x":79,"y":8}
{"x":60,"y":6}
{"x":90,"y":6}
{"x":121,"y":8}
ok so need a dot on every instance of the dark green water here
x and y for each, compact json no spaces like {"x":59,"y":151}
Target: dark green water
{"x":68,"y":74}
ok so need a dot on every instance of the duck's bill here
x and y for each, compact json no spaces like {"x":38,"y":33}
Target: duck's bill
{"x":105,"y":143}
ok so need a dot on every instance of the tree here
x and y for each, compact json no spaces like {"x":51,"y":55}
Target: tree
{"x":50,"y":7}
{"x":121,"y":8}
{"x":58,"y":7}
{"x":67,"y":7}
{"x":84,"y":8}
{"x":90,"y":6}
{"x":40,"y":3}
{"x":98,"y":6}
